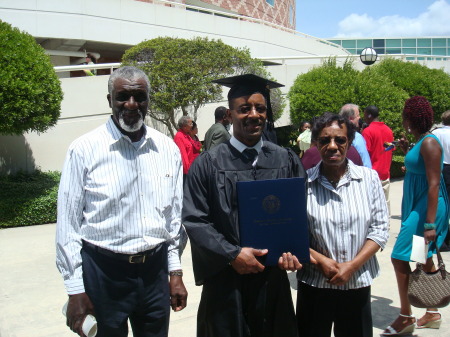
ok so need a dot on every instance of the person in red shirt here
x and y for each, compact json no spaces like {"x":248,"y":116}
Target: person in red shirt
{"x":379,"y":138}
{"x":189,"y":148}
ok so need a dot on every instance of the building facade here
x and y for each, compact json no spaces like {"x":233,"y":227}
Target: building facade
{"x":423,"y":46}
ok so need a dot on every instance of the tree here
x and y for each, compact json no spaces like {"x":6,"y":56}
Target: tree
{"x":324,"y":88}
{"x":417,"y":79}
{"x":387,"y":85}
{"x":30,"y":91}
{"x":181,"y":72}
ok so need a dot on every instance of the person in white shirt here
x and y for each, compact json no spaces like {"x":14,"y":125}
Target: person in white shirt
{"x":119,"y":232}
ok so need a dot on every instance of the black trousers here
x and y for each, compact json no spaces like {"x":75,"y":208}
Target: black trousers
{"x":349,"y":310}
{"x":120,"y":291}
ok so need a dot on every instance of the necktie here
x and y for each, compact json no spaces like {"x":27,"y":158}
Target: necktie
{"x":251,"y":154}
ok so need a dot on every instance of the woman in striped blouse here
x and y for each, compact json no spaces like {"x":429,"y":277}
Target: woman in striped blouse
{"x":348,"y":224}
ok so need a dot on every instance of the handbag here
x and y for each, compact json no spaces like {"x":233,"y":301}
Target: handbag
{"x":429,"y":290}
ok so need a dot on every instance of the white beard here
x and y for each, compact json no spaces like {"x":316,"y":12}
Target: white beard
{"x":131,"y":128}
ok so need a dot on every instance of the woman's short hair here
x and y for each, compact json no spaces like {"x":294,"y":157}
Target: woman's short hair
{"x":419,"y":113}
{"x":183,"y":121}
{"x":329,"y":118}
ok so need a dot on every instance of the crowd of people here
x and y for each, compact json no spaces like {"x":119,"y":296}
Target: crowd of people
{"x":130,"y":197}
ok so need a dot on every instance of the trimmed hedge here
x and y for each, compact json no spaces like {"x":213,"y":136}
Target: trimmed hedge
{"x":398,"y":161}
{"x":28,"y":198}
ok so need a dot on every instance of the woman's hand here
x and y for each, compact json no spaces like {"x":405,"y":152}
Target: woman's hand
{"x":345,"y":272}
{"x":429,"y":235}
{"x":328,"y":267}
{"x":403,"y":144}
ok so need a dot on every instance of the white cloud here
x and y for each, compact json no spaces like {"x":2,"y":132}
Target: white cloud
{"x":434,"y":22}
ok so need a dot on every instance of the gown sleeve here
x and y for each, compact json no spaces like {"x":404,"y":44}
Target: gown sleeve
{"x":211,"y":251}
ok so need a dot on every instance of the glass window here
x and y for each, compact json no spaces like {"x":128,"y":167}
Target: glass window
{"x":339,"y":42}
{"x":352,"y":51}
{"x":439,"y":51}
{"x":409,"y":51}
{"x":291,"y":16}
{"x":393,"y":51}
{"x":439,"y":42}
{"x":410,"y":58}
{"x":421,"y":59}
{"x":271,"y":2}
{"x":349,"y":43}
{"x":363,"y":43}
{"x":424,"y":51}
{"x":409,"y":43}
{"x":380,"y":50}
{"x":378,"y":43}
{"x":393,"y":43}
{"x":423,"y":42}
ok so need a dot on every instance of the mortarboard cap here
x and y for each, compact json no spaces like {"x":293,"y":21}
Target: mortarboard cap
{"x":248,"y":84}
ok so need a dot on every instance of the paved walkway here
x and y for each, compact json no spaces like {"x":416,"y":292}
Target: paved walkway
{"x":32,"y":291}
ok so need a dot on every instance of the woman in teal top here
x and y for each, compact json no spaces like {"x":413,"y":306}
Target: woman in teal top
{"x":424,"y":210}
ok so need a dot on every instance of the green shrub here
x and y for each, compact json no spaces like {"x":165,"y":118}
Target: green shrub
{"x":28,"y":198}
{"x":30,"y":91}
{"x":398,"y":161}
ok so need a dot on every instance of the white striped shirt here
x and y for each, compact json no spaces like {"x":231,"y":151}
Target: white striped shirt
{"x":120,"y":198}
{"x":342,"y":219}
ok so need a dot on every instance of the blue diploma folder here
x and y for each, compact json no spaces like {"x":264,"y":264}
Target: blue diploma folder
{"x":272,"y":215}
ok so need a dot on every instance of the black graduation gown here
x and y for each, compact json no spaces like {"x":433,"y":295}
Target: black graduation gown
{"x":233,"y":305}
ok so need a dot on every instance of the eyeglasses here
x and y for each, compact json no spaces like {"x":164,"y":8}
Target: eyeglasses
{"x":327,"y":140}
{"x":247,"y":108}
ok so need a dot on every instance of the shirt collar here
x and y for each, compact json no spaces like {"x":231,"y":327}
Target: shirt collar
{"x":353,"y":171}
{"x":241,"y":147}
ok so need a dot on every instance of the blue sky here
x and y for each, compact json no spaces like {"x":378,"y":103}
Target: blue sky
{"x":373,"y":18}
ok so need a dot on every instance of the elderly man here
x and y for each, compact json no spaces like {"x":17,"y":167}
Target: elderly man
{"x":351,"y":112}
{"x":119,"y":233}
{"x":240,"y":296}
{"x":218,"y":132}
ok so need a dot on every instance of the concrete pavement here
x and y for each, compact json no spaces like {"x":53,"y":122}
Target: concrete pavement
{"x":32,"y":291}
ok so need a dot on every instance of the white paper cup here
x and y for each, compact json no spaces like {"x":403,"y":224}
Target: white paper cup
{"x":89,"y":324}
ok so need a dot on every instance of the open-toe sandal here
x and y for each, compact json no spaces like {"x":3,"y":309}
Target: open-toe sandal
{"x":407,"y":330}
{"x":433,"y":324}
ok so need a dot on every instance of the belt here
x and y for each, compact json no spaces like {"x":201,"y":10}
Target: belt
{"x":130,"y":258}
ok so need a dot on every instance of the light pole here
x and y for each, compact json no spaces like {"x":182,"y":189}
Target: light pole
{"x":368,"y":56}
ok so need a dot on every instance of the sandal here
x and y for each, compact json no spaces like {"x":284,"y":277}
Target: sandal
{"x":407,"y":330}
{"x":431,"y":324}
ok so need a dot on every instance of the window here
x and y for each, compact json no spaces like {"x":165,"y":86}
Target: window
{"x":380,"y":50}
{"x":393,"y":43}
{"x":363,"y":43}
{"x":439,"y":51}
{"x":439,"y":42}
{"x":291,"y":16}
{"x":378,"y":43}
{"x":409,"y":43}
{"x":409,"y":51}
{"x":424,"y":51}
{"x":423,"y":42}
{"x":349,"y":43}
{"x":339,"y":42}
{"x":393,"y":51}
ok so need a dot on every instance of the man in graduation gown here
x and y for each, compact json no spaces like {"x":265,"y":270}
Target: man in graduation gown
{"x":240,"y":296}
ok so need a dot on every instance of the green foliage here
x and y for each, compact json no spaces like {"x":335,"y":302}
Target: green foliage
{"x":373,"y":88}
{"x":324,"y":88}
{"x":30,"y":91}
{"x":417,"y":79}
{"x":28,"y":198}
{"x":398,"y":161}
{"x":181,"y":71}
{"x":387,"y":85}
